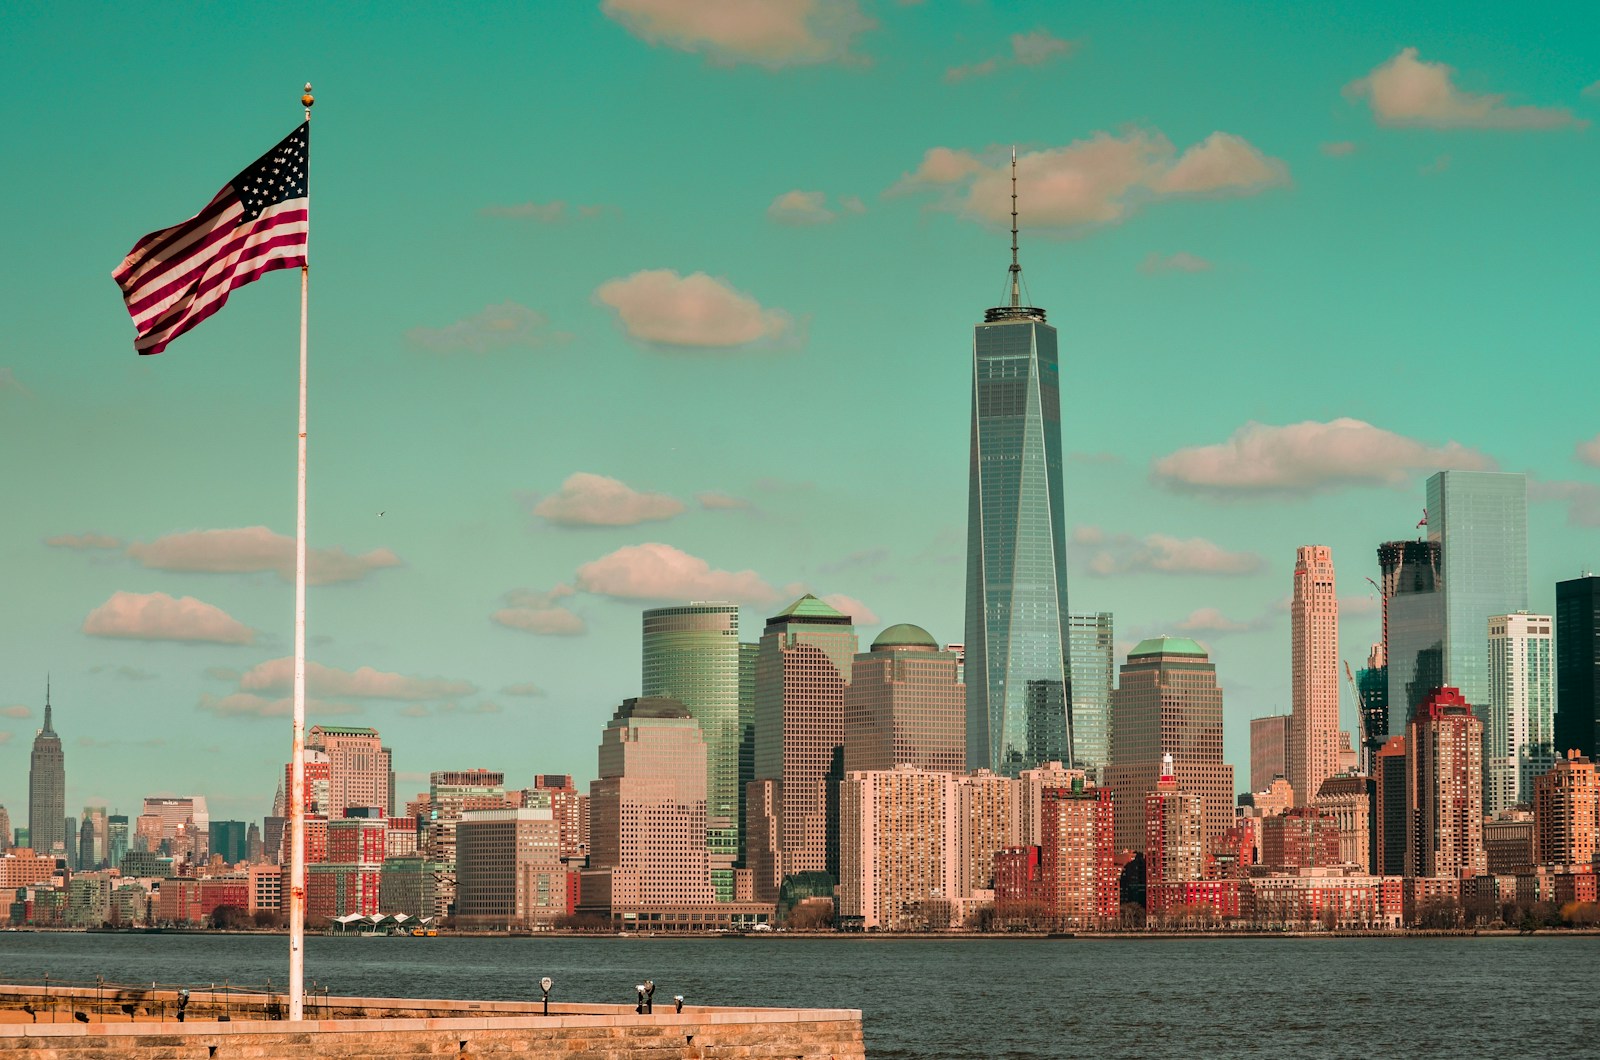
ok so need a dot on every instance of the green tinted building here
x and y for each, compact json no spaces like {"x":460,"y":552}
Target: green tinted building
{"x":692,"y":654}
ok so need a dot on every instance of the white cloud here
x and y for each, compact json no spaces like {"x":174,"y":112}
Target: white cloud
{"x":1116,"y":554}
{"x":157,"y":616}
{"x":277,"y":676}
{"x":859,"y":613}
{"x":594,"y":500}
{"x":1209,"y":621}
{"x":522,"y":688}
{"x":538,"y":612}
{"x":84,"y":542}
{"x":769,"y":33}
{"x":662,"y":308}
{"x":16,"y":711}
{"x":495,"y":327}
{"x":125,"y":673}
{"x":655,"y":571}
{"x":801,"y":209}
{"x":5,"y":737}
{"x":1340,"y":148}
{"x":1588,"y":452}
{"x":1182,"y":261}
{"x":255,"y":550}
{"x":715,"y":501}
{"x":1407,"y":90}
{"x":1098,"y":181}
{"x":250,"y":705}
{"x":1581,"y":498}
{"x":1034,"y":48}
{"x":1308,"y":457}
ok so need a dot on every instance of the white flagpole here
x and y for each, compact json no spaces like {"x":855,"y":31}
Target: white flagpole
{"x":297,"y":769}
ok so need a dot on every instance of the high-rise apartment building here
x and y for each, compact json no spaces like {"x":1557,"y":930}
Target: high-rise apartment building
{"x":648,"y":811}
{"x":359,"y":768}
{"x":1444,"y":789}
{"x":1519,"y":741}
{"x":1480,"y":520}
{"x":1016,"y":662}
{"x":899,"y":847}
{"x":803,"y":666}
{"x":47,"y":791}
{"x":1078,"y":875}
{"x":1314,"y":684}
{"x":904,"y":705}
{"x":1300,"y":838}
{"x":1566,"y":813}
{"x":1168,"y":703}
{"x":1092,"y":658}
{"x":989,"y":815}
{"x":1031,"y":786}
{"x":570,"y":809}
{"x":1413,"y":626}
{"x":692,"y":654}
{"x":1578,"y":665}
{"x":1175,"y":842}
{"x":451,"y":793}
{"x":1269,"y":750}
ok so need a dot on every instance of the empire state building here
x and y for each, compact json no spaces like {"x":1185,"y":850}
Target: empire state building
{"x":47,"y":791}
{"x":1016,"y":645}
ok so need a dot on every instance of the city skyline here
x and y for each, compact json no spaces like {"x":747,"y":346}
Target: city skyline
{"x":521,"y":530}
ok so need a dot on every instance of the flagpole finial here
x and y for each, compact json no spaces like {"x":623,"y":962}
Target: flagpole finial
{"x":306,"y":100}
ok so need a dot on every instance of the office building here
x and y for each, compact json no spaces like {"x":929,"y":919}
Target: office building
{"x":1508,"y":842}
{"x":648,"y":811}
{"x":901,"y":865}
{"x":1444,"y":788}
{"x":1031,"y":786}
{"x":1391,"y":810}
{"x":47,"y":791}
{"x":1314,"y":681}
{"x":691,"y":654}
{"x":1566,"y":813}
{"x":1480,"y":520}
{"x":904,"y":706}
{"x":228,"y":839}
{"x":5,"y":829}
{"x":1349,"y":798}
{"x":1016,"y":663}
{"x":508,"y":869}
{"x":1269,"y":750}
{"x":181,"y":825}
{"x":803,"y":666}
{"x":570,"y":808}
{"x":1519,"y":741}
{"x":451,"y":793}
{"x":359,"y":769}
{"x":1372,"y":691}
{"x":1413,"y":626}
{"x":1300,"y":838}
{"x":1578,"y":666}
{"x":1168,"y":703}
{"x":1092,"y":658}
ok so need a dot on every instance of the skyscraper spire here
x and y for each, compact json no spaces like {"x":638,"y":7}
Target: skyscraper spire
{"x":1013,"y":309}
{"x":47,"y":704}
{"x":1016,"y":269}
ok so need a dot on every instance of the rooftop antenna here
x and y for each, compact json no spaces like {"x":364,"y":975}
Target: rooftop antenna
{"x":47,"y":702}
{"x":1016,"y":269}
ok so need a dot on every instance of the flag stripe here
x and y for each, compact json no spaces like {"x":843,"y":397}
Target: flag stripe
{"x":155,"y":246}
{"x":162,"y":289}
{"x":155,"y":342}
{"x":173,"y":251}
{"x":207,"y":296}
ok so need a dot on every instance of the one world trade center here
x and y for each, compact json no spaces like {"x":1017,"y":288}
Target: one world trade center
{"x":1016,"y":645}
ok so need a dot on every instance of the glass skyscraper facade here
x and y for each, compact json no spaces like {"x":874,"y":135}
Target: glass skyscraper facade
{"x":1480,"y":520}
{"x":1413,"y":628}
{"x":692,"y":654}
{"x":1091,"y":652}
{"x":1016,"y":667}
{"x":1578,"y":665}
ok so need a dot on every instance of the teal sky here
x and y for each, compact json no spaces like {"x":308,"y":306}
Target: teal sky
{"x":558,"y":239}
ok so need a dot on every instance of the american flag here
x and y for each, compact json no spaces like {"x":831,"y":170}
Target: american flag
{"x":175,"y":278}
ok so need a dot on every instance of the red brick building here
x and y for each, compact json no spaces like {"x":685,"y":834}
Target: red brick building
{"x":1301,"y":838}
{"x":1079,"y":881}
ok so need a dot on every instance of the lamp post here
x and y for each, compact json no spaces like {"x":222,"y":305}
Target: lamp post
{"x":545,"y":984}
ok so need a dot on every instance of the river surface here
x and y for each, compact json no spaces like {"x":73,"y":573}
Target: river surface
{"x":961,"y":999}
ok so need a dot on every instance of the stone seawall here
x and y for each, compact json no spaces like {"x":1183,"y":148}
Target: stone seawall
{"x":147,"y":1029}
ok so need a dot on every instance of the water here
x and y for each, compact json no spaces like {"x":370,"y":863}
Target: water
{"x":962,"y":999}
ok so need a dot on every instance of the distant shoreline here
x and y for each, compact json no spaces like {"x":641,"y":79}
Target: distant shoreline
{"x":862,"y":936}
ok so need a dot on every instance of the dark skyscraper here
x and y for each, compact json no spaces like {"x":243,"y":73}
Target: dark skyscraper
{"x":1413,"y":629}
{"x":47,"y":791}
{"x":1578,"y":665}
{"x":1016,"y":668}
